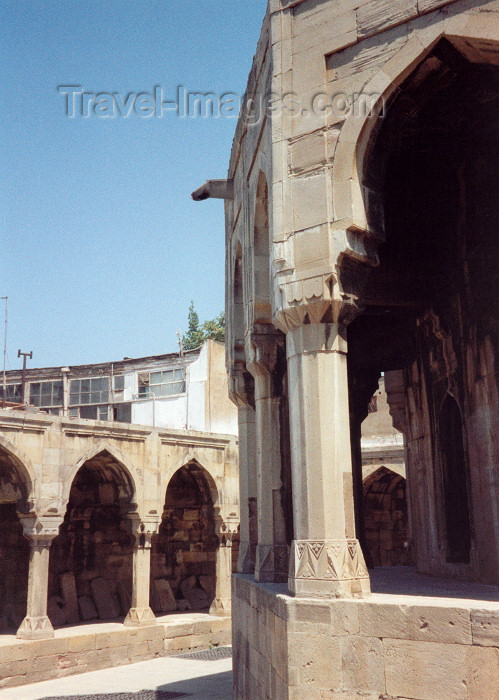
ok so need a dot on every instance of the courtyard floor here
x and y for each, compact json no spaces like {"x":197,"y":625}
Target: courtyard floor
{"x":195,"y":676}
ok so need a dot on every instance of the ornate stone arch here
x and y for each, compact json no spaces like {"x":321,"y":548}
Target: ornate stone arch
{"x":25,"y":470}
{"x":476,"y":38}
{"x":127,"y":471}
{"x":215,"y":491}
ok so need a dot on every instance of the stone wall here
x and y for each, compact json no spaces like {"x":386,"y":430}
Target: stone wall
{"x":92,"y":647}
{"x":416,"y":648}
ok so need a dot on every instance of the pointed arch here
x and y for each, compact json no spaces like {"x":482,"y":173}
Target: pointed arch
{"x":261,"y":253}
{"x":125,"y":472}
{"x":24,"y":473}
{"x":357,"y":205}
{"x":193,"y":464}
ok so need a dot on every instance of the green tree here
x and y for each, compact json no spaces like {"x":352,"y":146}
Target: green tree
{"x":196,"y":333}
{"x":194,"y":336}
{"x":215,"y":329}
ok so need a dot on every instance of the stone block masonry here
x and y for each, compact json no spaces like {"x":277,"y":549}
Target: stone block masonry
{"x":97,"y":646}
{"x":411,"y":647}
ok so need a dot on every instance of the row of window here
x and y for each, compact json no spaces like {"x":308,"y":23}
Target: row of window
{"x":87,"y":394}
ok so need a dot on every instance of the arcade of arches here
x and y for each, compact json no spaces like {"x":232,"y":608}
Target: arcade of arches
{"x":382,"y":259}
{"x":90,"y":558}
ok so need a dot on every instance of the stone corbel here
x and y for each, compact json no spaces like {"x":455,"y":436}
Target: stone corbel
{"x":396,"y":397}
{"x":261,"y":350}
{"x":241,"y":391}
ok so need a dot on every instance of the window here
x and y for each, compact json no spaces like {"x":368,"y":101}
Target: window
{"x":12,"y":392}
{"x":45,"y":394}
{"x":163,"y":383}
{"x":122,"y":413}
{"x":94,"y":412}
{"x":119,"y":382}
{"x":89,"y":391}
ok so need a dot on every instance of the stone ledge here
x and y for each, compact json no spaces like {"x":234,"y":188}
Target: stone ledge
{"x":103,"y":645}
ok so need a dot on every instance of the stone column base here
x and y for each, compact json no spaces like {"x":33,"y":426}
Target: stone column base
{"x":140,"y":617}
{"x":328,"y":568}
{"x":220,"y":606}
{"x":35,"y":628}
{"x":245,"y":564}
{"x":272,"y":563}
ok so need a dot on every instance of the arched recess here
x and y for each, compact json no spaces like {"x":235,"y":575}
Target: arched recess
{"x":427,"y":181}
{"x":262,"y":312}
{"x":385,"y":517}
{"x":238,"y":307}
{"x":15,"y":491}
{"x":90,"y":573}
{"x":455,"y":478}
{"x":184,"y":551}
{"x":357,"y":202}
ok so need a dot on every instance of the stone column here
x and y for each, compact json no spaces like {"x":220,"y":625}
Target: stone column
{"x":40,"y":532}
{"x":140,"y":614}
{"x":222,"y":603}
{"x":326,"y":558}
{"x":272,"y":551}
{"x":242,"y":394}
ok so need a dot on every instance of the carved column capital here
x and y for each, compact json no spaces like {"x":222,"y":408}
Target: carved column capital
{"x":332,"y":297}
{"x":40,"y":530}
{"x":225,"y":529}
{"x":143,"y":531}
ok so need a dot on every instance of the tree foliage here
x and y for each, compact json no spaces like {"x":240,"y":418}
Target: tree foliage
{"x":197,"y":333}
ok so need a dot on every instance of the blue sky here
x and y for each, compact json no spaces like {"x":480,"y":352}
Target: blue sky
{"x":101,"y":247}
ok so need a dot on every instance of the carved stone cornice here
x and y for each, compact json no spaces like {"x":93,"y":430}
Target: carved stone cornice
{"x":143,"y":531}
{"x":225,"y":529}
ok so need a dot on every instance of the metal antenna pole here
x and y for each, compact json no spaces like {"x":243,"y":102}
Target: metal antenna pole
{"x":23,"y":380}
{"x":4,"y":382}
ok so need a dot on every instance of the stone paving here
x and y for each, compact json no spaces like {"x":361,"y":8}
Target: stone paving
{"x":191,"y":676}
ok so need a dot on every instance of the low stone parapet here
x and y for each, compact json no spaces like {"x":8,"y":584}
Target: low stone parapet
{"x":97,"y":646}
{"x":391,"y":646}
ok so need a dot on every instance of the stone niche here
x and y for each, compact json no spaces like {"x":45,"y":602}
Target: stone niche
{"x":91,"y":558}
{"x":184,"y":551}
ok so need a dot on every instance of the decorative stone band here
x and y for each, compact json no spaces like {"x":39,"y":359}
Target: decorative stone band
{"x":272,"y":563}
{"x":333,"y":567}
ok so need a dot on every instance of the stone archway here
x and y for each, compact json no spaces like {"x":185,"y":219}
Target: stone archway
{"x":183,"y":573}
{"x":385,"y":518}
{"x":90,"y":574}
{"x":15,"y":487}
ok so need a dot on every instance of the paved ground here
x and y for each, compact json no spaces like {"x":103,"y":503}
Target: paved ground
{"x":167,"y":678}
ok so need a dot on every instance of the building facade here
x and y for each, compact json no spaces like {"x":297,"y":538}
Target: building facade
{"x":361,"y":238}
{"x":186,"y":391}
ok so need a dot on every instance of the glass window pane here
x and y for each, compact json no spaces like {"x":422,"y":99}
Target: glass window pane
{"x":84,"y":398}
{"x":46,"y":388}
{"x":57,"y":393}
{"x":34,"y":388}
{"x":95,"y":397}
{"x":119,"y":382}
{"x":88,"y":412}
{"x":74,"y":386}
{"x":85,"y":385}
{"x":102,"y":412}
{"x":155,"y":377}
{"x":73,"y":412}
{"x":179,"y":375}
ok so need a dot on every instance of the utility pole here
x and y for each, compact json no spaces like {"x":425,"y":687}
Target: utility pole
{"x":4,"y":380}
{"x":23,"y":380}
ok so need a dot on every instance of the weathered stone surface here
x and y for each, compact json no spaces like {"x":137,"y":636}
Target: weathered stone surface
{"x":68,"y":590}
{"x":376,"y":15}
{"x":362,"y":664}
{"x":167,"y":602}
{"x":105,"y":603}
{"x":87,"y":608}
{"x":482,"y":673}
{"x":485,"y":627}
{"x":419,"y":669}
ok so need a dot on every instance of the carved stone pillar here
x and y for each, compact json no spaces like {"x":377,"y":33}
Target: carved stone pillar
{"x":242,"y":394}
{"x":140,"y":614}
{"x":40,"y":532}
{"x":326,"y":558}
{"x":272,"y":551}
{"x":225,"y":529}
